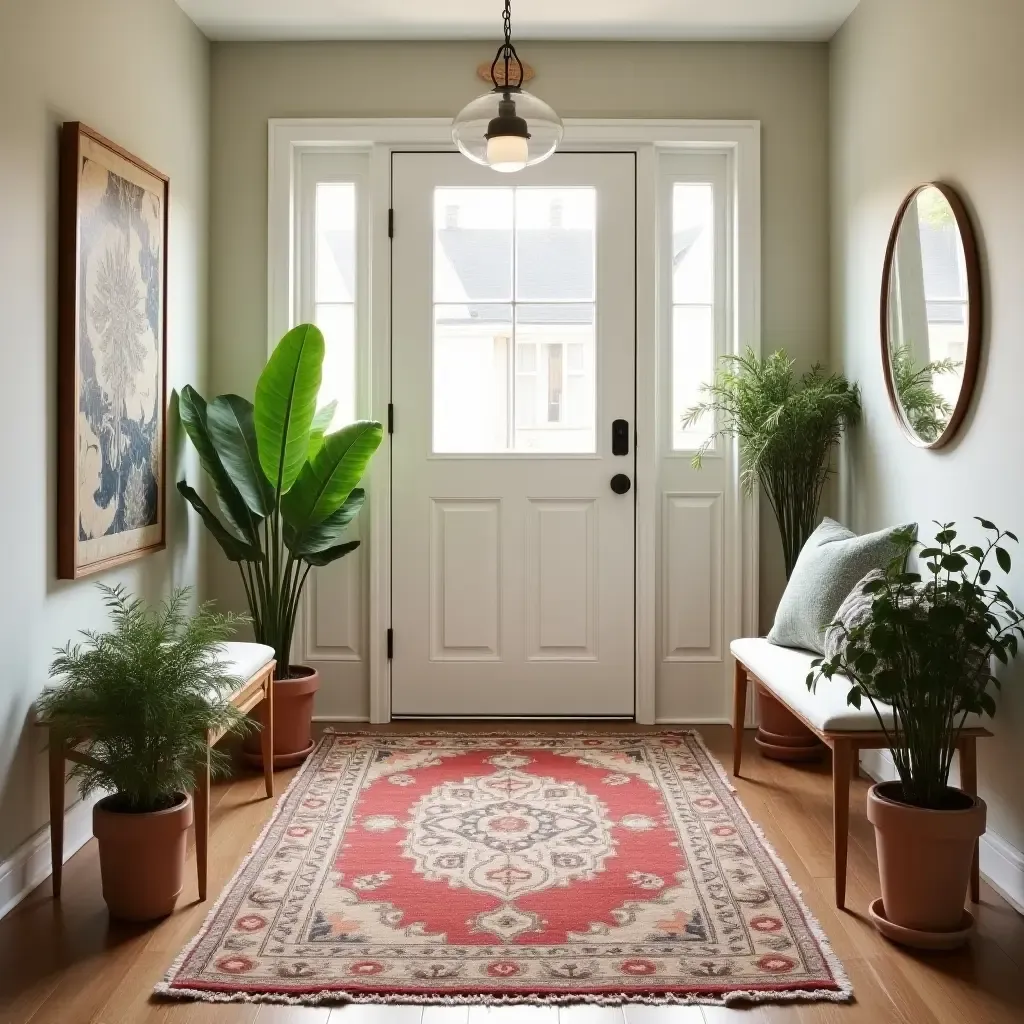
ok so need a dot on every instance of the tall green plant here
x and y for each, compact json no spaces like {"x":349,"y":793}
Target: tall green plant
{"x":787,"y":426}
{"x":926,"y":648}
{"x":286,"y":488}
{"x":926,"y":410}
{"x":139,"y":696}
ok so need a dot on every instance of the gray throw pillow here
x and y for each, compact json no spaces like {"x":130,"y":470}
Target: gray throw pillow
{"x":853,"y":612}
{"x":829,"y":566}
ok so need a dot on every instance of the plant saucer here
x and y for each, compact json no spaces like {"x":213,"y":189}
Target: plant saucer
{"x":921,"y":939}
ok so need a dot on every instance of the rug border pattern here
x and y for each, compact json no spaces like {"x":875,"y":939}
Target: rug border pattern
{"x":710,"y":995}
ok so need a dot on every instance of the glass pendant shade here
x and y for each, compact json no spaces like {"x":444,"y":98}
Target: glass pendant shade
{"x":491,"y":130}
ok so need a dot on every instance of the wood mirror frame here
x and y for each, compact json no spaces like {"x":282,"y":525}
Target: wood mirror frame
{"x":972,"y":353}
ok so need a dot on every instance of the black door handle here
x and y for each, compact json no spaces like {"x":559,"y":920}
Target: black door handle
{"x":621,"y":483}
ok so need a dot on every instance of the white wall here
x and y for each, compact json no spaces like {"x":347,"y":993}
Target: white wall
{"x":138,"y":73}
{"x":784,"y":86}
{"x":925,"y":90}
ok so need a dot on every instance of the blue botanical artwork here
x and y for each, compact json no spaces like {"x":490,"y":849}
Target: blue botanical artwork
{"x":120,"y":357}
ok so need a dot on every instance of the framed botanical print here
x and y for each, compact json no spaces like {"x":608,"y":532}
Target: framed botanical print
{"x":112,"y":358}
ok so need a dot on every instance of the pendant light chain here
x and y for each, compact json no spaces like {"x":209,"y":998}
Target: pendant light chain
{"x":507,"y":54}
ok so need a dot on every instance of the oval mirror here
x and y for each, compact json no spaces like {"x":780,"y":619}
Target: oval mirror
{"x":931,"y":314}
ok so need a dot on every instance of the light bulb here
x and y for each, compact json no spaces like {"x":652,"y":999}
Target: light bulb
{"x":507,"y":153}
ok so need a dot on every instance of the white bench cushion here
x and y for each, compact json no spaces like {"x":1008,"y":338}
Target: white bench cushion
{"x":243,"y":660}
{"x":783,"y":670}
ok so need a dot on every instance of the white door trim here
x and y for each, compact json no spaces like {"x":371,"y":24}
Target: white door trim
{"x":740,"y":141}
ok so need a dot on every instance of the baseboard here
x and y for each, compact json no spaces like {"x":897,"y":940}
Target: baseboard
{"x":718,"y":720}
{"x":1002,"y":864}
{"x":713,"y":720}
{"x":1003,"y":868}
{"x":29,"y":864}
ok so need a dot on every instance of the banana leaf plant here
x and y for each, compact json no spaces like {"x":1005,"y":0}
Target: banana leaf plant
{"x":285,"y":487}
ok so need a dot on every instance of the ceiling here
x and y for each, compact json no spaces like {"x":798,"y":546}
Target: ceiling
{"x":536,"y":19}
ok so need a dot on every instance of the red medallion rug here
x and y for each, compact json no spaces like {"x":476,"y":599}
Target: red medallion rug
{"x":512,"y":868}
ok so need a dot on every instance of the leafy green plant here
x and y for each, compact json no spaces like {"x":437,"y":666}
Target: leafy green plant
{"x":925,"y":649}
{"x":140,"y":698}
{"x":286,"y":488}
{"x":787,"y":426}
{"x":927,"y":412}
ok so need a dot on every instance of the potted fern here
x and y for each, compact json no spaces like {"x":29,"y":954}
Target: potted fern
{"x":287,"y":491}
{"x":923,"y":645}
{"x":787,"y":425}
{"x":140,"y":700}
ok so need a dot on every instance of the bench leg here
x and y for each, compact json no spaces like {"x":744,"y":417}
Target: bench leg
{"x":842,"y":764}
{"x":266,"y":712}
{"x":202,"y":819}
{"x":56,"y":762}
{"x":969,"y":784}
{"x":739,"y":716}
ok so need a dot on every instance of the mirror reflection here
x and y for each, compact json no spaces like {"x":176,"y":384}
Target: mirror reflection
{"x":928,"y":315}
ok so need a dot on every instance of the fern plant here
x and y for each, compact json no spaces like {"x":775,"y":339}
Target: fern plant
{"x":925,"y":409}
{"x":787,"y":426}
{"x":142,"y":696}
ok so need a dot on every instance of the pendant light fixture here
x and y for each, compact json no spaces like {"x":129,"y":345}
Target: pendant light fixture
{"x":507,"y":129}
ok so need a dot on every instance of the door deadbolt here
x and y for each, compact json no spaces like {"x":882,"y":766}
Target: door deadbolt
{"x":620,"y":437}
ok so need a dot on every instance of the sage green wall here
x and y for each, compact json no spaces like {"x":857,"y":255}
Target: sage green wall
{"x":925,"y":90}
{"x":785,"y":86}
{"x":138,"y":73}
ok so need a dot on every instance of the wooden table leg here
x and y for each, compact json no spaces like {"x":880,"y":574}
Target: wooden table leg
{"x":739,"y":716}
{"x":266,"y":713}
{"x":842,"y":762}
{"x":56,"y":762}
{"x":969,"y":784}
{"x":202,"y":820}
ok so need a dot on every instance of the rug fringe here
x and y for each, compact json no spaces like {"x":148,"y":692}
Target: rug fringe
{"x":844,"y":993}
{"x":342,"y":998}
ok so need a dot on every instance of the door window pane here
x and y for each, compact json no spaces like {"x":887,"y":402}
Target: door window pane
{"x":335,"y":283}
{"x":514,"y":376}
{"x":693,"y":308}
{"x":560,"y":415}
{"x":472,"y":347}
{"x":555,"y":229}
{"x":473,"y":244}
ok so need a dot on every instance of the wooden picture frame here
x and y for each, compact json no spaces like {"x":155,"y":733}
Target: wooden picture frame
{"x":112,"y":355}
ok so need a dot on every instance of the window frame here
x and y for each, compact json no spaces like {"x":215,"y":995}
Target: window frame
{"x":540,"y":373}
{"x":322,"y":168}
{"x":703,"y":169}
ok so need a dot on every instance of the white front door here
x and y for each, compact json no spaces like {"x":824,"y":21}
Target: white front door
{"x":513,"y":384}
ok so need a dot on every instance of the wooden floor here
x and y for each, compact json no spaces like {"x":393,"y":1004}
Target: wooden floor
{"x":67,"y":964}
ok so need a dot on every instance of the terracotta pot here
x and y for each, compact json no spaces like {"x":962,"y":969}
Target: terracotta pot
{"x":924,"y":857}
{"x":779,"y":728}
{"x":142,"y":858}
{"x":293,"y":720}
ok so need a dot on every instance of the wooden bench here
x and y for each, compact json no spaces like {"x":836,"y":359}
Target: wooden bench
{"x":782,"y":673}
{"x":251,"y":662}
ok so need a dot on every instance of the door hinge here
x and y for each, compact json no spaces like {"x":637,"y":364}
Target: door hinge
{"x":391,"y":223}
{"x":391,"y":417}
{"x":391,"y":644}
